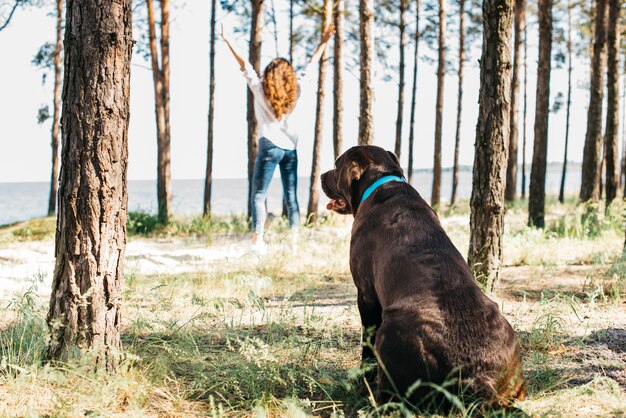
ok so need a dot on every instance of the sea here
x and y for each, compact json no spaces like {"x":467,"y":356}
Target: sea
{"x":24,"y":201}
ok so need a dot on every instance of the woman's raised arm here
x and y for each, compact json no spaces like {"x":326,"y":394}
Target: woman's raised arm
{"x":328,"y":33}
{"x":240,"y":60}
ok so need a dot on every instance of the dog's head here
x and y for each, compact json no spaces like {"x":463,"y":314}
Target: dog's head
{"x":355,"y":170}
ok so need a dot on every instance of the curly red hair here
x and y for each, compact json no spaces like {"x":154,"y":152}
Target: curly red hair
{"x":280,"y":85}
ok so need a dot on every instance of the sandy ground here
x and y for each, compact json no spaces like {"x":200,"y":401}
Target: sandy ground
{"x":25,"y":262}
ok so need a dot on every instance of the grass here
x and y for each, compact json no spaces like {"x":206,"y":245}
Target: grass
{"x":280,"y":336}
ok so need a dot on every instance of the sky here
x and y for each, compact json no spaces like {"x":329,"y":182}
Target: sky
{"x":24,"y":146}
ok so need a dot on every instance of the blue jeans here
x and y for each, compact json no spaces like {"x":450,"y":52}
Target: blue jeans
{"x":267,"y":159}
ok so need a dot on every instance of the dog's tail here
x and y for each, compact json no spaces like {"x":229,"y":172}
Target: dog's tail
{"x":500,"y":391}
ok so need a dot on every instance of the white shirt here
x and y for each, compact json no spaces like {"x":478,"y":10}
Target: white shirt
{"x":275,"y":130}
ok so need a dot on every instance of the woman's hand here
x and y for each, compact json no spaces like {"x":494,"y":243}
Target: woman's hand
{"x":240,"y":61}
{"x":328,"y":33}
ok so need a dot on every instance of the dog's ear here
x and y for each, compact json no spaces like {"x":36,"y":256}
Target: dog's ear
{"x":394,"y":158}
{"x":396,"y":162}
{"x":352,"y":169}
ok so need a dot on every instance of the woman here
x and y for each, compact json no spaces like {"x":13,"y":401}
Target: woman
{"x":275,"y":97}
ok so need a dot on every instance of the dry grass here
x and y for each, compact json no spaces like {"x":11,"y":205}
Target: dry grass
{"x":279,"y":336}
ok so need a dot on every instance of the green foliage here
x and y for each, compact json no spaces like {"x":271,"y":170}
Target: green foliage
{"x":22,"y":344}
{"x":546,"y":334}
{"x":614,"y":285}
{"x":141,"y":223}
{"x":586,"y":221}
{"x":33,"y":230}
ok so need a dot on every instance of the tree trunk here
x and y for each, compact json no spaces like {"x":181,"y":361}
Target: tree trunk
{"x":161,"y":106}
{"x":492,"y":131}
{"x":519,"y":22}
{"x":254,"y":57}
{"x":590,"y":184}
{"x":441,"y":72}
{"x":338,"y":12}
{"x":292,"y":39}
{"x":311,"y":215}
{"x":398,"y":147}
{"x":414,"y":94}
{"x":459,"y":103}
{"x":275,"y":24}
{"x":366,"y":118}
{"x":623,"y":163}
{"x":525,"y":111}
{"x":569,"y":98}
{"x":86,"y":299}
{"x":611,"y":135}
{"x":537,"y":191}
{"x":56,"y":125}
{"x":208,"y":178}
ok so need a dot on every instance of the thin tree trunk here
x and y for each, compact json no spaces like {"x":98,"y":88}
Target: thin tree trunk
{"x":592,"y":18}
{"x":338,"y":12}
{"x":525,"y":112}
{"x":492,"y":131}
{"x":208,"y":178}
{"x":86,"y":299}
{"x":56,"y":125}
{"x":414,"y":95}
{"x":459,"y":103}
{"x":511,"y":170}
{"x":366,"y":117}
{"x":398,"y":147}
{"x":611,"y":136}
{"x":254,"y":57}
{"x":441,"y":72}
{"x":319,"y":119}
{"x":292,"y":39}
{"x":537,"y":191}
{"x":590,"y":184}
{"x":569,"y":98}
{"x":623,"y":163}
{"x":162,"y":107}
{"x":273,"y":16}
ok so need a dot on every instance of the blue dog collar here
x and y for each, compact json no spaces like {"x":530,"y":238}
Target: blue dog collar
{"x":378,"y":183}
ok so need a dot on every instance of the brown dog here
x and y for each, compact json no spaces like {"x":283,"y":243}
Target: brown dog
{"x":430,"y":320}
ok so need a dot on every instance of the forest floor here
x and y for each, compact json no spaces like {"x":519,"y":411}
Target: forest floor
{"x":211,"y":330}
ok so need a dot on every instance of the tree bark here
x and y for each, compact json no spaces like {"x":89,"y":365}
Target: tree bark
{"x":459,"y":103}
{"x":86,"y":299}
{"x":56,"y":107}
{"x":161,"y":75}
{"x":623,"y":163}
{"x":525,"y":112}
{"x":402,"y":27}
{"x":569,"y":98}
{"x":292,"y":39}
{"x":275,"y":24}
{"x":208,"y":178}
{"x":492,"y":131}
{"x":414,"y":94}
{"x":590,"y":184}
{"x":311,"y":215}
{"x":338,"y":12}
{"x":537,"y":191}
{"x":366,"y":118}
{"x":611,"y":135}
{"x":254,"y":57}
{"x":441,"y":72}
{"x":519,"y":23}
